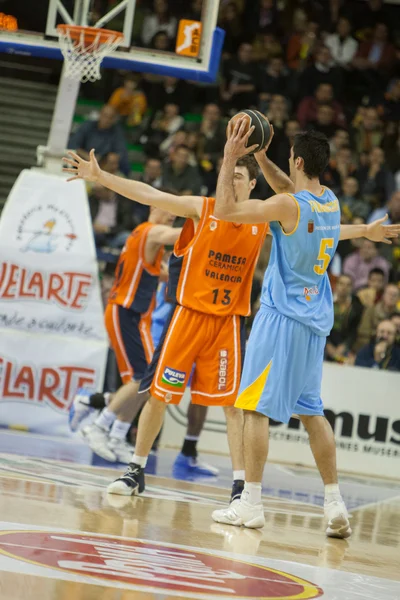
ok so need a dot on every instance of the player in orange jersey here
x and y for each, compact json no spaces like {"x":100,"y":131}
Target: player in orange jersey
{"x":211,"y":273}
{"x":128,"y":324}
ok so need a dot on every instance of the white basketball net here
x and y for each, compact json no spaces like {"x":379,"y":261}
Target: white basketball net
{"x":82,"y":57}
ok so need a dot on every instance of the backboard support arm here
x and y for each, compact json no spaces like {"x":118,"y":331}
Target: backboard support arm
{"x":63,"y":115}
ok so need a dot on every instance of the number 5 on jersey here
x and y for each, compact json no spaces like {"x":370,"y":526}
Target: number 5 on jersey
{"x":323,"y":256}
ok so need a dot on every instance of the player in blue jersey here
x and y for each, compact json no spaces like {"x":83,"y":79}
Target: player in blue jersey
{"x":283,"y":364}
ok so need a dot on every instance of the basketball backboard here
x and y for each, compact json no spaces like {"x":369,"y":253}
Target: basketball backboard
{"x":29,"y":29}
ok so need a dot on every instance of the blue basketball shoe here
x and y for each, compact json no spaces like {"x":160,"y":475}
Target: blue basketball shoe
{"x":192,"y":466}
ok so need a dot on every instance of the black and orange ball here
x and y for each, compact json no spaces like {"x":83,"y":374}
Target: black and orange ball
{"x":262,"y":131}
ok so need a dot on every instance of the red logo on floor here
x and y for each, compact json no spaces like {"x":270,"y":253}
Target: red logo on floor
{"x":156,"y":566}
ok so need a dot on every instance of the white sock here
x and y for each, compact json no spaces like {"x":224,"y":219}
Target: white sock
{"x":332,"y":492}
{"x":120,"y":429}
{"x":192,"y":438}
{"x":139,"y":460}
{"x":238,"y":475}
{"x":252,"y":492}
{"x":107,"y":397}
{"x":105,"y":419}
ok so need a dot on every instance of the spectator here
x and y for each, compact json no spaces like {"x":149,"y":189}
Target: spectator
{"x":262,"y":15}
{"x":192,"y":142}
{"x":367,"y":129}
{"x":195,"y":10}
{"x":332,"y":11}
{"x":278,"y":113}
{"x":396,"y":320}
{"x":376,"y":181}
{"x":338,"y":169}
{"x":178,"y":175}
{"x":129,"y":101}
{"x":212,"y":136}
{"x":322,"y":71}
{"x":373,"y":293}
{"x":375,"y":314}
{"x":160,"y":20}
{"x":344,"y":163}
{"x":169,"y":91}
{"x":391,"y":147}
{"x":342,"y":45}
{"x":161,"y":41}
{"x":152,"y":174}
{"x":351,"y":203}
{"x":231,"y":21}
{"x":104,"y":135}
{"x":273,"y":80}
{"x":358,"y":264}
{"x":301,"y":44}
{"x":376,"y":56}
{"x":240,"y":79}
{"x":340,"y":139}
{"x":347,"y":315}
{"x":390,"y":107}
{"x":111,"y":214}
{"x":370,"y":13}
{"x":324,"y":122}
{"x":308,"y":107}
{"x":173,"y":141}
{"x":164,"y":126}
{"x":383,"y":352}
{"x":266,"y":47}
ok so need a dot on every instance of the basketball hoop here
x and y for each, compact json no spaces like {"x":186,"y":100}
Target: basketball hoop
{"x":84,"y":48}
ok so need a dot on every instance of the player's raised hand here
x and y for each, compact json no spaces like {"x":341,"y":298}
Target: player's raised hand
{"x":378,"y":232}
{"x":237,"y":138}
{"x":82,"y":169}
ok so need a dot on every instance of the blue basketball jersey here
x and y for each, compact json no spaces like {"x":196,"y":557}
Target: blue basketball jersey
{"x":296,"y":283}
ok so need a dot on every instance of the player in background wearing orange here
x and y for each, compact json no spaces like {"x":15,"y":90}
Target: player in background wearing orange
{"x":211,"y":273}
{"x":128,"y":324}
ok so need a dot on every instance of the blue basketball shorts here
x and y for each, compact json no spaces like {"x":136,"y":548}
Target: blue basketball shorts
{"x":282,"y":370}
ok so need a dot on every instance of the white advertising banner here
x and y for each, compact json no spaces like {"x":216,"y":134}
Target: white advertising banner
{"x":51,"y":314}
{"x":362,"y":405}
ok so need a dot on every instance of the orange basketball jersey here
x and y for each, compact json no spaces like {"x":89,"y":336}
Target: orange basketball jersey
{"x":135,"y":280}
{"x":211,"y":269}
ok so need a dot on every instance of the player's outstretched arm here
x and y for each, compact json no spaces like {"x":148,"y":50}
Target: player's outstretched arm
{"x":375,"y":231}
{"x":182,"y":206}
{"x":274,"y":176}
{"x":163,"y":235}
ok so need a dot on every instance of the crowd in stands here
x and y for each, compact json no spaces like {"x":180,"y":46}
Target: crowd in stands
{"x":329,"y":65}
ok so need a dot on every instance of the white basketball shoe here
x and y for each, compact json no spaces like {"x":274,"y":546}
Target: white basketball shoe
{"x":98,"y":441}
{"x":337,"y":519}
{"x":240,"y":512}
{"x":80,"y":408}
{"x":122,"y":449}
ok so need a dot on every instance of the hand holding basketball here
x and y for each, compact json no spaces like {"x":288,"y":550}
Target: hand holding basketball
{"x":263,"y":150}
{"x":238,"y":135}
{"x":82,"y":169}
{"x":258,"y":128}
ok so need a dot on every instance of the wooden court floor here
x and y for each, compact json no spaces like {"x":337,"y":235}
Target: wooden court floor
{"x":62,"y":537}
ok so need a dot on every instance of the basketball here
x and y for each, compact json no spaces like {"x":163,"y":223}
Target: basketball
{"x":262,"y":131}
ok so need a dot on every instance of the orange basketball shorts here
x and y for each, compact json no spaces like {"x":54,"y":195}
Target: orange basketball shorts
{"x":130,"y":337}
{"x":213,"y":345}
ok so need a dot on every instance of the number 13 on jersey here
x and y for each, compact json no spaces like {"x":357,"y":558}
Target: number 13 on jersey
{"x":323,"y":256}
